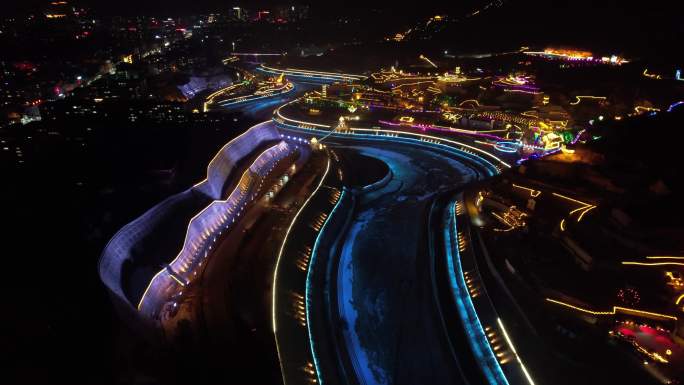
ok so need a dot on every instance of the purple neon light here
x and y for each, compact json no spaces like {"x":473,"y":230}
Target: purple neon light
{"x":578,"y":136}
{"x":536,"y":156}
{"x":675,"y":105}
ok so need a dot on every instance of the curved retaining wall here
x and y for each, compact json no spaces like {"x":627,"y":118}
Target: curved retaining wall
{"x":221,"y":212}
{"x":475,"y":332}
{"x":221,"y":166}
{"x":204,"y":229}
{"x":129,"y":248}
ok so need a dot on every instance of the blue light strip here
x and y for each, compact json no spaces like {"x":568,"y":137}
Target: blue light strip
{"x":466,"y":310}
{"x":307,"y":293}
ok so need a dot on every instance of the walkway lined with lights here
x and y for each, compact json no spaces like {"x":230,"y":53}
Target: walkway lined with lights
{"x":500,"y":363}
{"x":297,"y":318}
{"x":475,"y":332}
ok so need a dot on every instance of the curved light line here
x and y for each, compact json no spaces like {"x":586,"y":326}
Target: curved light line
{"x":664,"y":257}
{"x":533,"y":193}
{"x":149,"y":285}
{"x":510,"y":343}
{"x":466,"y":309}
{"x":436,"y":138}
{"x":652,"y":263}
{"x":247,"y":170}
{"x":297,"y":121}
{"x":325,"y":73}
{"x":313,"y":73}
{"x":612,"y":312}
{"x":679,"y":299}
{"x":282,"y":246}
{"x":308,"y":278}
{"x":494,"y":169}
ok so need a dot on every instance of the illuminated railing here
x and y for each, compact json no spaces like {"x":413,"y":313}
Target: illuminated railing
{"x":222,"y":91}
{"x":664,"y":257}
{"x":386,"y":77}
{"x":483,"y":155}
{"x":276,"y":288}
{"x":481,"y":133}
{"x":637,"y":263}
{"x":477,"y":339}
{"x":515,"y":352}
{"x":221,"y":213}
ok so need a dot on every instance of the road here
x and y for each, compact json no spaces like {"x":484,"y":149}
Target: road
{"x":263,"y":109}
{"x":392,"y":328}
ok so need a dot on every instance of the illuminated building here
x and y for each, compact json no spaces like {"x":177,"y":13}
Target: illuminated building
{"x":574,"y":55}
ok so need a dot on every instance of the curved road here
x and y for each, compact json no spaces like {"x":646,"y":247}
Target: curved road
{"x":392,"y":328}
{"x":386,"y":305}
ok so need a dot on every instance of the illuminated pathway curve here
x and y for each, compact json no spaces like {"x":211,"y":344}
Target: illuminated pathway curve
{"x":385,"y":319}
{"x":392,"y":330}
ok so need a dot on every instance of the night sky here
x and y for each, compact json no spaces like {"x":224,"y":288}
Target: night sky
{"x":652,"y":29}
{"x":563,"y":10}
